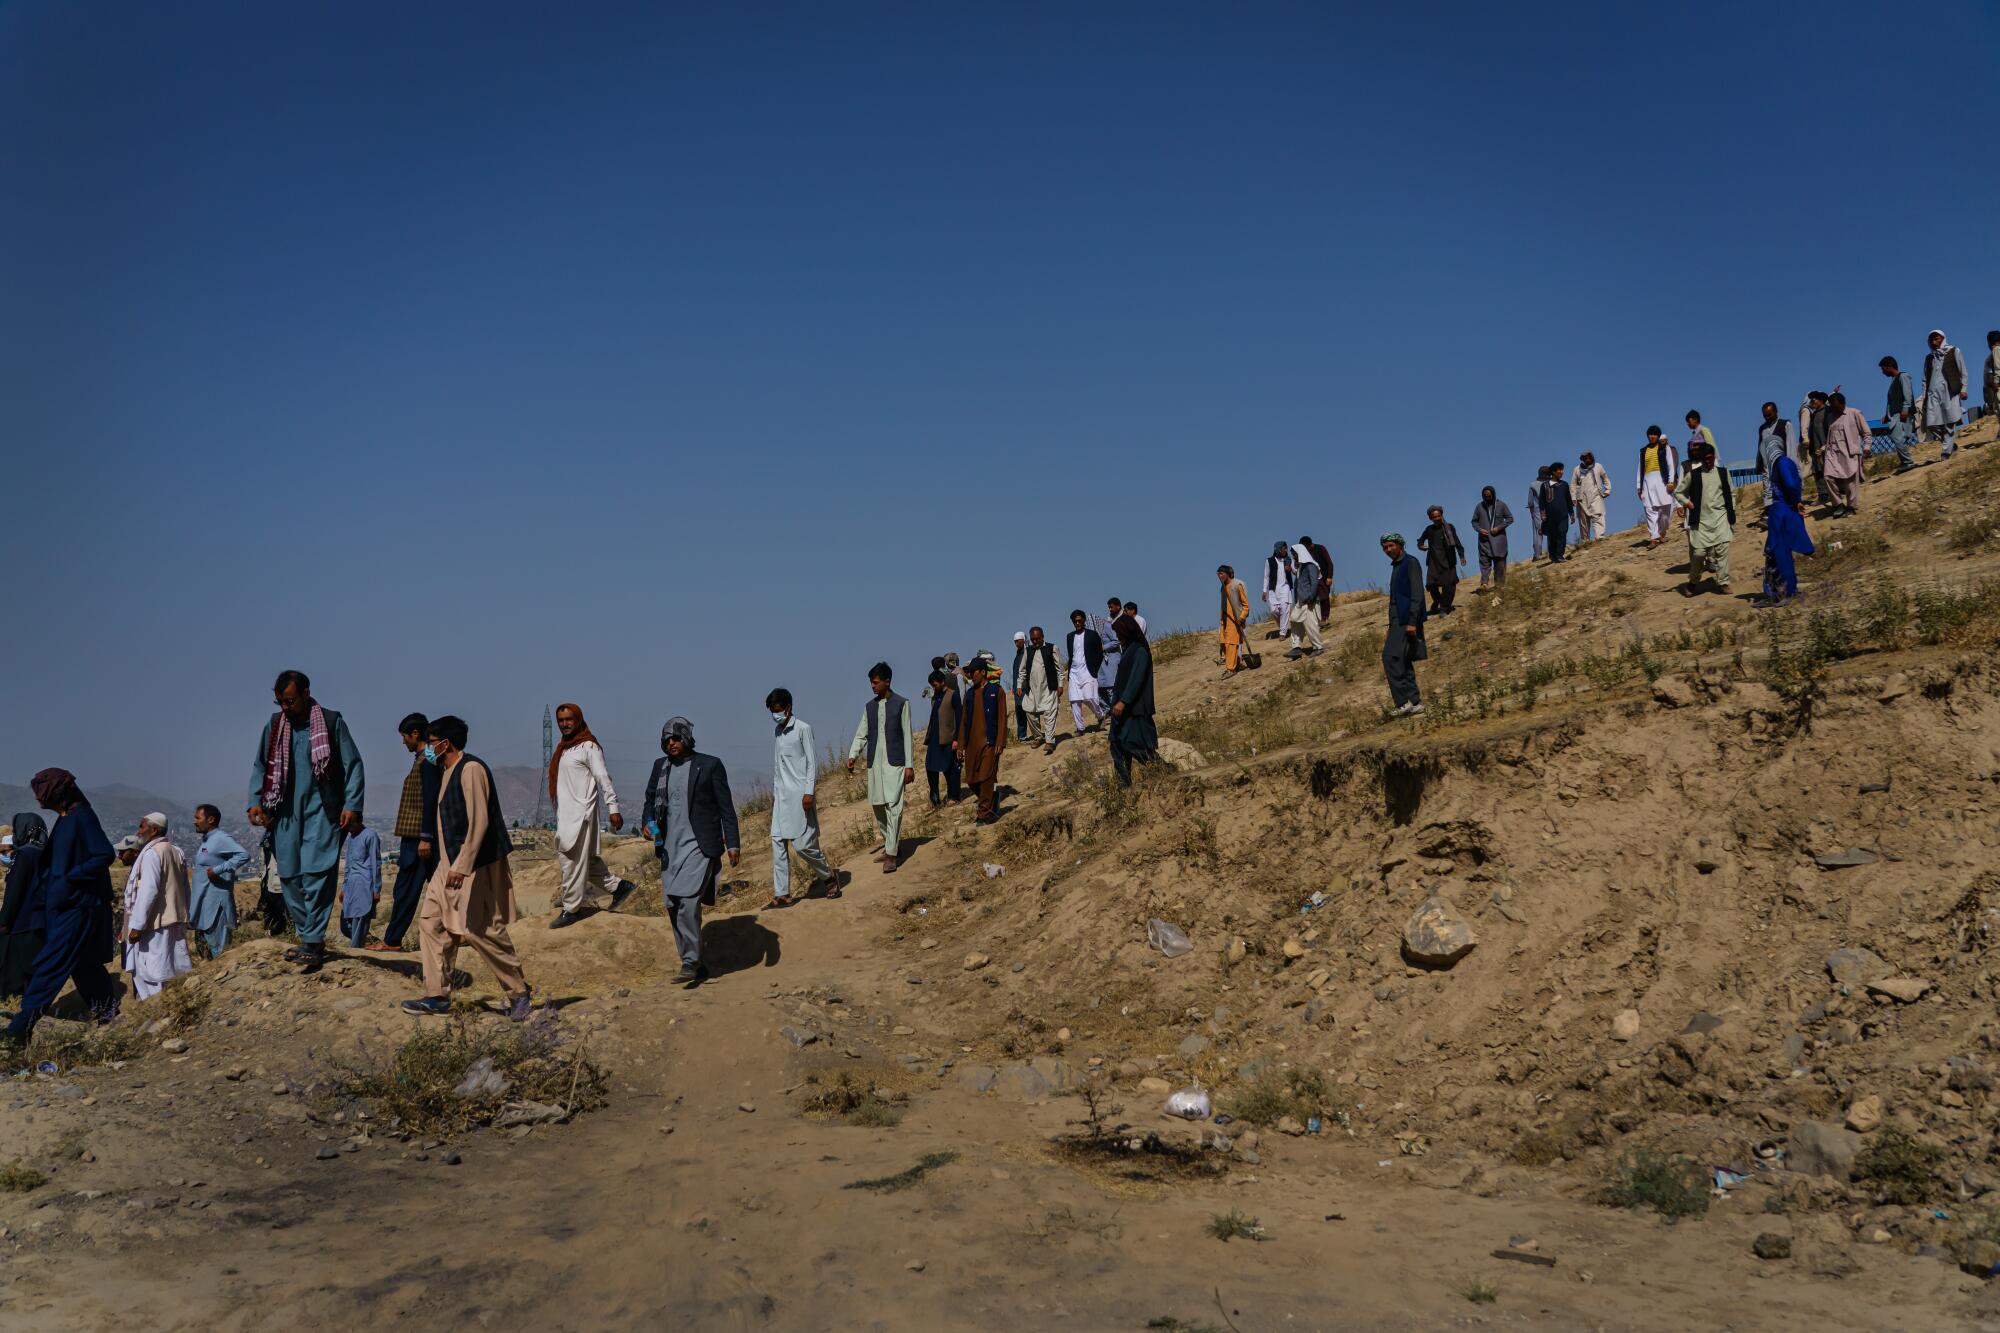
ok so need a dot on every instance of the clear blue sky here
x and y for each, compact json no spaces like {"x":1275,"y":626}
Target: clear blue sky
{"x":477,"y":356}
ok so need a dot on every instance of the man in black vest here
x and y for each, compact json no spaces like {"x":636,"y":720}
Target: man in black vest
{"x":692,"y":818}
{"x":470,"y":899}
{"x":884,"y":738}
{"x":1020,"y":656}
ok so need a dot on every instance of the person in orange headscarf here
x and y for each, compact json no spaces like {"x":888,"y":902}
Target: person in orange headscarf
{"x":581,"y":788}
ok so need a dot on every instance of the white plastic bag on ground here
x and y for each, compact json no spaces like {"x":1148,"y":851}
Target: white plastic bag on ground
{"x":1168,"y":938}
{"x":993,"y":871}
{"x":1189,"y":1104}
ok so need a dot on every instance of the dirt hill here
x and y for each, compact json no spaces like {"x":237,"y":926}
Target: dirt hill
{"x":1725,"y":878}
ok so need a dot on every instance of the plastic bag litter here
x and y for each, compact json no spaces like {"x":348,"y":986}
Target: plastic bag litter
{"x":993,"y":871}
{"x":1168,"y":938}
{"x":1189,"y":1104}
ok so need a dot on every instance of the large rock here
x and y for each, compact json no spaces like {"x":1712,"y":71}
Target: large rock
{"x":1056,"y":1073}
{"x":1021,"y":1081}
{"x":1673,"y":692}
{"x":1625,"y":1025}
{"x":1865,"y":1115}
{"x":1436,"y":936}
{"x":1181,"y":755}
{"x":1820,"y":1148}
{"x":1903,"y":990}
{"x":977,"y":1078}
{"x":1856,"y":967}
{"x":1192,"y":1045}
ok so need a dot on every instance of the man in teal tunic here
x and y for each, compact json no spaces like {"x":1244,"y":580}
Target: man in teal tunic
{"x":306,"y":788}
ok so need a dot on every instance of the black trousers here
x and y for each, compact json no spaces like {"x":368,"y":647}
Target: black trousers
{"x":1558,"y":535}
{"x":408,"y":894}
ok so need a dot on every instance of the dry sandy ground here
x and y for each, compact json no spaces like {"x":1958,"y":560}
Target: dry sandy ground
{"x":1485,"y":1102}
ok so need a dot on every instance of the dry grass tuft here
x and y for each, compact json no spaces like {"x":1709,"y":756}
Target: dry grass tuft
{"x":416,"y":1088}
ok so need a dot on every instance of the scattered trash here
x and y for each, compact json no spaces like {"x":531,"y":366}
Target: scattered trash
{"x":482,"y":1080}
{"x":1168,"y":938}
{"x":1312,"y":1125}
{"x":1189,"y":1104}
{"x":1940,"y":1214}
{"x":1317,"y":900}
{"x":993,"y":871}
{"x":46,"y":1067}
{"x":1223,"y":1117}
{"x":1386,"y":1162}
{"x":923,"y":911}
{"x":1725,"y":1179}
{"x":1336,"y":1217}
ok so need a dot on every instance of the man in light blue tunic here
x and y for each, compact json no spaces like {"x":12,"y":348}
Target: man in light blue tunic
{"x":794,"y":822}
{"x":1944,"y":392}
{"x":217,"y":862}
{"x":692,"y":818}
{"x":306,"y":787}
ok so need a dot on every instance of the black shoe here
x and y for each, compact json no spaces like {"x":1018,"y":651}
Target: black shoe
{"x":692,"y":976}
{"x":626,"y":888}
{"x":312,"y":957}
{"x":565,"y":919}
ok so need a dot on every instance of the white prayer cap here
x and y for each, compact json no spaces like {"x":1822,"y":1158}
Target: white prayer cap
{"x":6,"y":835}
{"x":128,"y":843}
{"x":157,"y":820}
{"x":1019,"y":635}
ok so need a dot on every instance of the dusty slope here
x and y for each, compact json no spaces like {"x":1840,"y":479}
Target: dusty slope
{"x":1567,"y":828}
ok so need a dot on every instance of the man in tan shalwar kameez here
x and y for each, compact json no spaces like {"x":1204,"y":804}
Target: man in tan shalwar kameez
{"x":982,"y":735}
{"x":1235,"y":616}
{"x":470,"y":898}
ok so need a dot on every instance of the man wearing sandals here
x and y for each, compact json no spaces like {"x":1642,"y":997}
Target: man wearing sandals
{"x":794,"y":822}
{"x":306,"y":787}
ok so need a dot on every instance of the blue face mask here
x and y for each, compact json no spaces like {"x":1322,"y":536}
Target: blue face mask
{"x":778,"y":718}
{"x":430,"y":754}
{"x":6,"y":858}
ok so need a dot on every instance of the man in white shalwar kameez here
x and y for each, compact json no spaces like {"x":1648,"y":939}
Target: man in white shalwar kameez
{"x":1085,"y":651}
{"x":1659,"y":469}
{"x":1278,"y":588}
{"x":1039,"y":686}
{"x":156,"y":911}
{"x":581,"y":788}
{"x":794,"y":821}
{"x":885,"y":739}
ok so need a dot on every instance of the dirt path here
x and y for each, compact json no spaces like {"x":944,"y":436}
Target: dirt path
{"x":675,"y":1207}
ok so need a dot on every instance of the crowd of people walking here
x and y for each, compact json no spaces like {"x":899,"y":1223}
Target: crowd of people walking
{"x":62,"y":924}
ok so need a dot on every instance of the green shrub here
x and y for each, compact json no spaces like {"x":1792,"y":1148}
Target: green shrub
{"x":1901,"y":1168}
{"x":416,"y":1088}
{"x":1671,"y":1185}
{"x":1227,"y":1226}
{"x":16,"y":1178}
{"x":1298,"y":1093}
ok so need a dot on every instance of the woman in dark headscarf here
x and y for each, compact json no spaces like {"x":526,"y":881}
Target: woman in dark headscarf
{"x":1132,"y":733}
{"x":21,"y":914}
{"x":76,"y":899}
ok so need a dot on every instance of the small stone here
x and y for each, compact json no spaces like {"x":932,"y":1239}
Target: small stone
{"x":915,"y":1266}
{"x":1236,"y":950}
{"x":1435,"y":936}
{"x":799,"y":1037}
{"x":1625,"y":1025}
{"x":1289,"y":1125}
{"x":452,"y":1159}
{"x":975,"y":961}
{"x":1875,"y":1236}
{"x":1771,"y":1245}
{"x":173,"y":1045}
{"x":902,"y":1030}
{"x":1192,"y":1045}
{"x":328,"y":1153}
{"x":1293,"y":949}
{"x":279,"y":1089}
{"x":1980,"y":1258}
{"x":1673,"y":692}
{"x":1865,"y":1115}
{"x":1894,"y":688}
{"x":1155,"y":1085}
{"x":1062,"y":1034}
{"x":1842,"y":860}
{"x":747,"y":1108}
{"x":1019,"y":967}
{"x":1903,"y":990}
{"x":1853,"y":967}
{"x":1819,"y":1148}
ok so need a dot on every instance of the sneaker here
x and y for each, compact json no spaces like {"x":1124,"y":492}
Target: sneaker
{"x":563,"y":919}
{"x":1411,"y":710}
{"x":1295,"y":654}
{"x":626,"y":888}
{"x":518,"y":1007}
{"x":430,"y":1004}
{"x":1316,"y":652}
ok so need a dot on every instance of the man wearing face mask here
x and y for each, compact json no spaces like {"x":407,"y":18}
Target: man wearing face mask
{"x":692,"y":818}
{"x":306,"y":787}
{"x":794,"y":822}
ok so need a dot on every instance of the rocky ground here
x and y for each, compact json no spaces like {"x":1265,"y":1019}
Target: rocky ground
{"x":1657,"y":887}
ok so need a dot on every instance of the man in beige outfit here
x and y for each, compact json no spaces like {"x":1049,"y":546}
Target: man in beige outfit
{"x":470,"y":898}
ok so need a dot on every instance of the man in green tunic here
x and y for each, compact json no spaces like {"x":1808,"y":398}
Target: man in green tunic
{"x":884,"y":738}
{"x":1705,"y":497}
{"x":306,"y":787}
